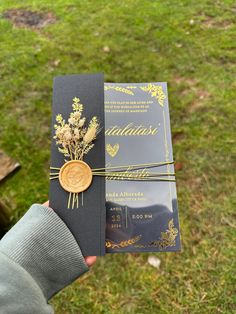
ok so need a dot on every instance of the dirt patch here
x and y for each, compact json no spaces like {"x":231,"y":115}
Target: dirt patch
{"x":177,"y":136}
{"x":202,"y":95}
{"x":192,"y":84}
{"x":31,"y":19}
{"x":195,"y":182}
{"x":210,"y":22}
{"x":183,"y":80}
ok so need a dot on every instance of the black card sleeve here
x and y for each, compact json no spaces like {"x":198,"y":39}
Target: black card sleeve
{"x":87,"y":220}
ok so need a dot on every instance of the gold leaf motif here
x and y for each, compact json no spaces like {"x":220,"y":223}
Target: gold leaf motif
{"x":122,"y":244}
{"x":119,"y":89}
{"x":112,"y":150}
{"x":156,"y":91}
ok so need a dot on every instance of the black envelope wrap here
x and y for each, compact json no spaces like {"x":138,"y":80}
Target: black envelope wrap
{"x":87,"y":223}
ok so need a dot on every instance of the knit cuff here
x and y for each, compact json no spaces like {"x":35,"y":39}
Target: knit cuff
{"x":44,"y":246}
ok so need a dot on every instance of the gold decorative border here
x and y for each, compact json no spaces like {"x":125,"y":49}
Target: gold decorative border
{"x":167,"y":157}
{"x":156,"y":91}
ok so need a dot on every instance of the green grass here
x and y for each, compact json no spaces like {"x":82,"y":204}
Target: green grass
{"x":189,"y":44}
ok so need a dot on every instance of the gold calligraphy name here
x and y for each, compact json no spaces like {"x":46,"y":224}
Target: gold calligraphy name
{"x":128,"y":174}
{"x":131,"y":130}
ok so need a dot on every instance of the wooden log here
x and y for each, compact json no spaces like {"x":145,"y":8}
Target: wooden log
{"x":7,"y":165}
{"x":4,"y":219}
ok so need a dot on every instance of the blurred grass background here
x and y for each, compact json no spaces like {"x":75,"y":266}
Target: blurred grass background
{"x":189,"y":44}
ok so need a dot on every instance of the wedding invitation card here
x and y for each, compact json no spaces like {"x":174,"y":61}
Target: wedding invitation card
{"x":141,"y":203}
{"x":112,"y":178}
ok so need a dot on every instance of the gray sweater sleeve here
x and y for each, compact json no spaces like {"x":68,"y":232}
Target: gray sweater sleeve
{"x":38,"y":257}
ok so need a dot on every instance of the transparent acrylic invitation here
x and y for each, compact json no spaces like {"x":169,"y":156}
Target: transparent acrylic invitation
{"x":141,"y":200}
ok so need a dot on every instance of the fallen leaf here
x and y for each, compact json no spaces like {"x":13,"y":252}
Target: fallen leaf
{"x":106,"y":49}
{"x":178,"y":166}
{"x":179,"y":45}
{"x":154,"y":261}
{"x":56,"y":62}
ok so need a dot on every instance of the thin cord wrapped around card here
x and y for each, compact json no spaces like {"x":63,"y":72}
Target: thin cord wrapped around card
{"x":126,"y":172}
{"x":120,"y":174}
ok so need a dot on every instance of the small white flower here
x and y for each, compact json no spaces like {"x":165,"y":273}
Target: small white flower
{"x":65,"y":128}
{"x":67,"y":136}
{"x":59,"y":133}
{"x":81,"y":122}
{"x":77,"y":115}
{"x":77,"y":133}
{"x":72,"y":120}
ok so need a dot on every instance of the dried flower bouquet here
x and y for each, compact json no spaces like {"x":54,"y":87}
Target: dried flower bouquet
{"x":73,"y":138}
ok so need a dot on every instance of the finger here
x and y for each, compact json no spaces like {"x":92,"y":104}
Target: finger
{"x":46,"y":204}
{"x":90,"y":260}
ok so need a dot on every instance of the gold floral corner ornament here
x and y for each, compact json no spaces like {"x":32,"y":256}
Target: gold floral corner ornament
{"x":74,"y":140}
{"x":167,"y":238}
{"x":156,"y":91}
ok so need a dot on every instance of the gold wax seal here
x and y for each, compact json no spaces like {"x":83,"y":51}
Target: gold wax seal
{"x":75,"y":176}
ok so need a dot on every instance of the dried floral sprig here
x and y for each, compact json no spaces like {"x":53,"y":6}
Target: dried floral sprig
{"x":73,"y":138}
